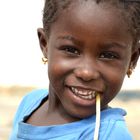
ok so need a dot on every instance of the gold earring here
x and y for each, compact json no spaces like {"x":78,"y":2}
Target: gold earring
{"x":129,"y":72}
{"x":44,"y":60}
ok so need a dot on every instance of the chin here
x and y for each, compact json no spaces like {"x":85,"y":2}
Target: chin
{"x":81,"y":115}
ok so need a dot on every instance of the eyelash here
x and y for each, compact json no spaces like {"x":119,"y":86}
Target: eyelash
{"x":109,"y":55}
{"x":71,"y":50}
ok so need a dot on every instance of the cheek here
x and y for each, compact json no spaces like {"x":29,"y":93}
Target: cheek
{"x":116,"y":72}
{"x":116,"y":83}
{"x":113,"y":85}
{"x":58,"y":69}
{"x":116,"y":77}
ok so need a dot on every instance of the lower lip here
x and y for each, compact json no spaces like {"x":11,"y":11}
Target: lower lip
{"x":80,"y":101}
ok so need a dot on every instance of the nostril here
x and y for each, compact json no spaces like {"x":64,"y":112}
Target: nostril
{"x":86,"y":75}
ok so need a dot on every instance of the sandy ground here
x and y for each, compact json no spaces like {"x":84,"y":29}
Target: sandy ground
{"x":9,"y":103}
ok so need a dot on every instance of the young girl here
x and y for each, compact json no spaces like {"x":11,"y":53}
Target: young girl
{"x":90,"y":45}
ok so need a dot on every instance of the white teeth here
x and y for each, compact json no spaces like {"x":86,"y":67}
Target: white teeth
{"x":76,"y":91}
{"x":91,"y":92}
{"x":84,"y":94}
{"x":72,"y":88}
{"x":80,"y":92}
{"x":90,"y":96}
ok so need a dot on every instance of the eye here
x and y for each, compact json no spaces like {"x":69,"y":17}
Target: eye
{"x":109,"y":55}
{"x":71,"y":50}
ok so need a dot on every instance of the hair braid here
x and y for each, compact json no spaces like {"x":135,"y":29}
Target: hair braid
{"x":134,"y":10}
{"x":50,"y":12}
{"x":130,"y":9}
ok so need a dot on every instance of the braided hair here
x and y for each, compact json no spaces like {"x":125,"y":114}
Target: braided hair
{"x":129,"y":8}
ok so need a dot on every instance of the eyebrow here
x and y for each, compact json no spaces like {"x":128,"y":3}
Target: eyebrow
{"x":107,"y":45}
{"x":70,"y":38}
{"x":115,"y":44}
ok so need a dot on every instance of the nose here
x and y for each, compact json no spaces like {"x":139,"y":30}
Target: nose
{"x":87,"y":71}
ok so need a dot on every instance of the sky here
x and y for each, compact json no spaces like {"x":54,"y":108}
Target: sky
{"x":20,"y":55}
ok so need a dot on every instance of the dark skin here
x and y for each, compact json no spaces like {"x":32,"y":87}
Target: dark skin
{"x":88,"y":48}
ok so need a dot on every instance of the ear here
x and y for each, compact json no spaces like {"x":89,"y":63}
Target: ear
{"x":42,"y":41}
{"x":134,"y":57}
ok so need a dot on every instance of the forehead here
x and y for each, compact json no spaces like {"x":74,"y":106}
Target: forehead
{"x":92,"y":18}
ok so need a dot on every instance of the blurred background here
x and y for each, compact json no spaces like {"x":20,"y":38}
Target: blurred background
{"x":22,"y":71}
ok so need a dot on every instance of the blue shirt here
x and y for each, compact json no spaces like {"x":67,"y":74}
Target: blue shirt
{"x":113,"y":126}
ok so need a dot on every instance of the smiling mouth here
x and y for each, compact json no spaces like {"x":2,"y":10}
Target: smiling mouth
{"x":83,"y":93}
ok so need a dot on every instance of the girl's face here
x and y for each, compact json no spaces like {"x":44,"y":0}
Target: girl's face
{"x":89,"y":51}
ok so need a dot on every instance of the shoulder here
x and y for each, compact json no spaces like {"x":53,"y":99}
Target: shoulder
{"x":114,"y":126}
{"x":32,"y":97}
{"x":36,"y":94}
{"x":29,"y":103}
{"x":119,"y":131}
{"x":113,"y":114}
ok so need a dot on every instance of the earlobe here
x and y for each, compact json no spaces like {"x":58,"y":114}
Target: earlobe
{"x":42,"y":41}
{"x":130,"y":71}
